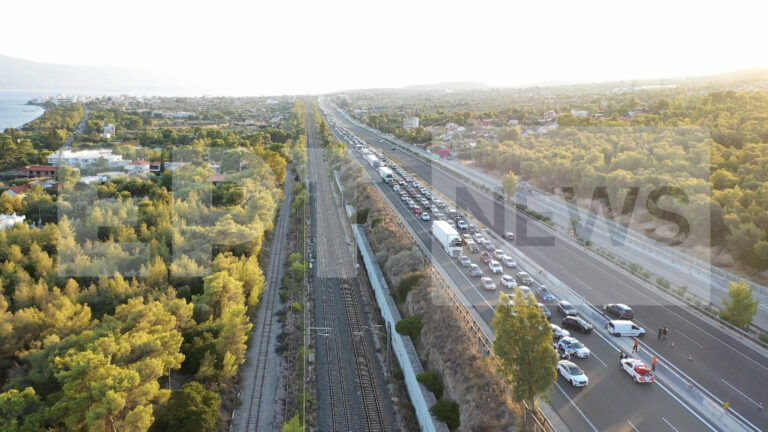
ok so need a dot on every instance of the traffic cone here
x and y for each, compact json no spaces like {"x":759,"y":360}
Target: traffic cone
{"x":690,"y":357}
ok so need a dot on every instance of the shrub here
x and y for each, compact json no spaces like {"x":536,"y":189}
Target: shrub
{"x":406,"y":285}
{"x":432,"y":381}
{"x":662,"y":282}
{"x":410,"y":327}
{"x":362,"y":216}
{"x":448,"y":412}
{"x":763,"y":337}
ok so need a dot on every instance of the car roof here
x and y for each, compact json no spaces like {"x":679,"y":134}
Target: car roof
{"x":567,"y":363}
{"x":614,"y":322}
{"x":565,"y":303}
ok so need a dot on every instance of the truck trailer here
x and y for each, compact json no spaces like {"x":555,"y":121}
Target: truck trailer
{"x":386,"y":174}
{"x":448,"y":237}
{"x":372,"y":160}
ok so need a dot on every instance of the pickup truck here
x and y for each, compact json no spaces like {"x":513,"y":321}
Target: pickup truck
{"x":639,"y":372}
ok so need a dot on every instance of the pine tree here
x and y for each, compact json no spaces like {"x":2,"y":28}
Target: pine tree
{"x":740,"y":306}
{"x":524,"y":346}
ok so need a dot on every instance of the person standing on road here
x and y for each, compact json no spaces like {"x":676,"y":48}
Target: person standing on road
{"x":653,"y":363}
{"x":660,"y":331}
{"x":664,"y":334}
{"x":636,"y":347}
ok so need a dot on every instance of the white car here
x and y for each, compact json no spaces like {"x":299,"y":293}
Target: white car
{"x":559,"y":333}
{"x":572,"y":346}
{"x":572,"y":373}
{"x":508,"y":281}
{"x":396,"y":188}
{"x":425,"y":216}
{"x":461,"y":224}
{"x":488,"y":283}
{"x":508,"y":261}
{"x":465,"y":261}
{"x":495,"y":267}
{"x":499,"y":253}
{"x":474,"y":270}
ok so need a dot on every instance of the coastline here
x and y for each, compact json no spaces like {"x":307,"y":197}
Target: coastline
{"x":13,"y":117}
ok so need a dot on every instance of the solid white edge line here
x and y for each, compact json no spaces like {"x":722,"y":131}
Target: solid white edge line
{"x":633,"y":426}
{"x":670,"y":424}
{"x":740,"y":392}
{"x":695,"y":414}
{"x":581,"y":413}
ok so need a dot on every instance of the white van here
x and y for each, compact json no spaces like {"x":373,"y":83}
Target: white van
{"x":624,"y":328}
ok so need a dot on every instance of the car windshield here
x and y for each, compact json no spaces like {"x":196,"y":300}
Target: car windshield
{"x":577,"y":344}
{"x":581,"y":322}
{"x":575,"y":370}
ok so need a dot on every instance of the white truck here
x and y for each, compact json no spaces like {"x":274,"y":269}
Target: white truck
{"x":372,"y":160}
{"x":448,"y":237}
{"x":639,"y":372}
{"x":386,"y":174}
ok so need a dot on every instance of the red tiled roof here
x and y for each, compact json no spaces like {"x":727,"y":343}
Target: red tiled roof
{"x":41,"y":168}
{"x":216,"y":178}
{"x":20,"y":188}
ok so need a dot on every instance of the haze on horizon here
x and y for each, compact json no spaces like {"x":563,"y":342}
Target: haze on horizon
{"x":296,"y":47}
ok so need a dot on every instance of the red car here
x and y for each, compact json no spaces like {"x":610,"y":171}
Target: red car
{"x":486,"y":256}
{"x":417,"y":210}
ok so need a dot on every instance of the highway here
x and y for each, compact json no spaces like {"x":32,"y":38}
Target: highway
{"x":732,"y":370}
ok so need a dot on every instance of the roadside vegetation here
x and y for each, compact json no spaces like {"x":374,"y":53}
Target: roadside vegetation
{"x":706,"y":137}
{"x":97,"y":333}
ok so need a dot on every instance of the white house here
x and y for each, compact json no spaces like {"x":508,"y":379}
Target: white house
{"x":109,"y":129}
{"x":83,"y":158}
{"x":7,"y":221}
{"x":138,"y":166}
{"x":410,"y":123}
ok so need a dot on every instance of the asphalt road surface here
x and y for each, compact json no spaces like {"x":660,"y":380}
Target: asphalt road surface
{"x":732,"y":370}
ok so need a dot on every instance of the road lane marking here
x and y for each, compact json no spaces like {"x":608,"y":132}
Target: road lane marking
{"x":688,"y":379}
{"x":598,"y":359}
{"x":642,"y":291}
{"x":633,"y":426}
{"x":740,"y":392}
{"x":695,"y":414}
{"x":584,"y":416}
{"x":670,"y":424}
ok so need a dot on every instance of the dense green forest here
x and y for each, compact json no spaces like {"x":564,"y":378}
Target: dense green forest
{"x":129,"y":308}
{"x":713,"y":146}
{"x":32,"y":143}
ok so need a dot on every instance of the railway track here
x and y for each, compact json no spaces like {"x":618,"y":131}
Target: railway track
{"x":373,"y":416}
{"x":268,"y":302}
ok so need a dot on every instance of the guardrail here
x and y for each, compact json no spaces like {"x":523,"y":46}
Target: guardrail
{"x":759,"y":289}
{"x":695,"y":263}
{"x":470,"y":317}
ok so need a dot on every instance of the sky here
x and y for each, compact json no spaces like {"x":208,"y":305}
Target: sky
{"x":259,"y":47}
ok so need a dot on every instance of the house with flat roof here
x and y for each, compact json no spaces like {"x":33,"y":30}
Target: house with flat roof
{"x":8,"y":221}
{"x":83,"y":158}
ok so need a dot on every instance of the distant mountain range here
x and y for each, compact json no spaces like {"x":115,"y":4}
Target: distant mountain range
{"x":24,"y":75}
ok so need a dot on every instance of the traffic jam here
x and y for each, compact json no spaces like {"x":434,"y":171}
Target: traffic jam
{"x":493,"y":267}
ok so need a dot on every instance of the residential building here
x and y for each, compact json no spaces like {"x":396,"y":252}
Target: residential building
{"x":579,"y":113}
{"x":138,"y":166}
{"x":19,"y":190}
{"x":109,"y":129}
{"x":83,"y":158}
{"x":410,"y":123}
{"x":8,"y":221}
{"x":33,"y":171}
